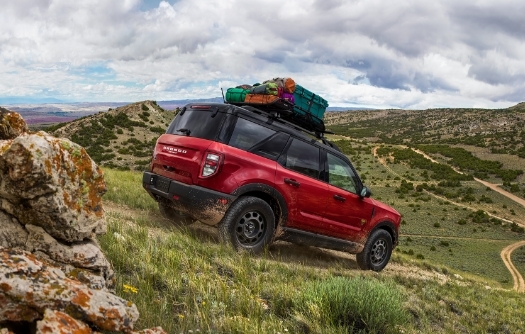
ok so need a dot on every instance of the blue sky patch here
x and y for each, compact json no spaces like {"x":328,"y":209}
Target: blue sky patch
{"x":95,"y":72}
{"x":147,"y":5}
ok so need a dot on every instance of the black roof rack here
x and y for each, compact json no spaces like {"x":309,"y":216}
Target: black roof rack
{"x":277,"y":115}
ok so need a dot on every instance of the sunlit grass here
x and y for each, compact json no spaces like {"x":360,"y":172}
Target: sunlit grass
{"x":125,"y":187}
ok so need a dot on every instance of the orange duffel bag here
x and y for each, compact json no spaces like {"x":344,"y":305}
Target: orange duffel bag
{"x":260,"y":99}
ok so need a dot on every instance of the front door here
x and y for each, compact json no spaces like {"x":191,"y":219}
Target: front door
{"x":346,"y":212}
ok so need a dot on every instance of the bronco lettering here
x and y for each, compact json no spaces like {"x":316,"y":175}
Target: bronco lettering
{"x":174,"y":150}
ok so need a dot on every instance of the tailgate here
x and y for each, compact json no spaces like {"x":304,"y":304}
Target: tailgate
{"x":179,"y":157}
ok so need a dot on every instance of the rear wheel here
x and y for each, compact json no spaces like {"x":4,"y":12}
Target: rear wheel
{"x":177,"y":217}
{"x":377,"y":251}
{"x":248,"y":225}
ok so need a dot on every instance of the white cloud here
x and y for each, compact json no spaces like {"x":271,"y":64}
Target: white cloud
{"x":409,"y":54}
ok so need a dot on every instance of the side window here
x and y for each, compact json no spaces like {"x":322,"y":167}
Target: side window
{"x":303,"y":158}
{"x":272,"y":147}
{"x":340,"y":174}
{"x":247,"y":134}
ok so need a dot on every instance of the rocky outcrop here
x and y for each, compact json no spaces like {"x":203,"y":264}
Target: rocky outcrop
{"x":52,"y":183}
{"x":11,"y":124}
{"x":54,"y":277}
{"x":51,"y":204}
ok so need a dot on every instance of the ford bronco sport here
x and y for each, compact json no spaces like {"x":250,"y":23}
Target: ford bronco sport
{"x":260,"y":178}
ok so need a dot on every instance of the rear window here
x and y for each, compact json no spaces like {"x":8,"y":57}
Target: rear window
{"x":199,"y":123}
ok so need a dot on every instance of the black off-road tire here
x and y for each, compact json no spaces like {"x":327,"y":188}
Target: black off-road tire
{"x":248,"y":225}
{"x":177,"y":218}
{"x":377,"y":251}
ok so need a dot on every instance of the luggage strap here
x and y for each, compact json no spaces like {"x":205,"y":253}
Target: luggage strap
{"x":310,"y":103}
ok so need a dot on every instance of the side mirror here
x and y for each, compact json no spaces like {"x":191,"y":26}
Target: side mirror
{"x":365,"y":192}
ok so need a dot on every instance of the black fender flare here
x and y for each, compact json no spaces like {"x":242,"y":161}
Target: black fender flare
{"x":269,"y":190}
{"x":390,"y":227}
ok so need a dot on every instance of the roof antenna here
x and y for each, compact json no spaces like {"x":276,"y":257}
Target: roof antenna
{"x":223,"y":99}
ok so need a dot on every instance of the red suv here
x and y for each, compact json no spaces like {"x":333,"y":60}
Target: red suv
{"x":260,"y":178}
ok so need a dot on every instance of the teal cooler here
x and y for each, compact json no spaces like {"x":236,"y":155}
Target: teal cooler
{"x":236,"y":95}
{"x":307,"y":102}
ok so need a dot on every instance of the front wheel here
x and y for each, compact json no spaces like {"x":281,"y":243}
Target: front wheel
{"x":377,"y":251}
{"x":177,"y":218}
{"x":248,"y":225}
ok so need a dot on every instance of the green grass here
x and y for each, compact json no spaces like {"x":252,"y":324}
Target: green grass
{"x":481,"y":258}
{"x":126,"y":188}
{"x":451,"y":307}
{"x":359,"y":304}
{"x":186,"y":280}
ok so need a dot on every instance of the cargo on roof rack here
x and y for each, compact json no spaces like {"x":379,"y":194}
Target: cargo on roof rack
{"x":283,"y":97}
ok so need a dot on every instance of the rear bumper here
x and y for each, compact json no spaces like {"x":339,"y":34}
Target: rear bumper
{"x":203,"y":204}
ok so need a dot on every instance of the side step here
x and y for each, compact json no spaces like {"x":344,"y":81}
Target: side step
{"x":300,"y":237}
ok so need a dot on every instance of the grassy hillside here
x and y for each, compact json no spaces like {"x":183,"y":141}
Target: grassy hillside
{"x":183,"y":279}
{"x":120,"y":138}
{"x":485,"y":143}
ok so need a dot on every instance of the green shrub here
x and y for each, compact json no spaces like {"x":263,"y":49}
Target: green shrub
{"x":357,"y":304}
{"x":157,"y":129}
{"x":462,"y":221}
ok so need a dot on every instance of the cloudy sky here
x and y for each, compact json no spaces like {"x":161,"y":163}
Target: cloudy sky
{"x":370,"y":53}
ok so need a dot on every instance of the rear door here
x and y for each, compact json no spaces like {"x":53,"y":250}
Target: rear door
{"x":298,"y":180}
{"x":178,"y":154}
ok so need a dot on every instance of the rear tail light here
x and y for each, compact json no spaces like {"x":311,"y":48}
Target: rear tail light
{"x":211,"y":165}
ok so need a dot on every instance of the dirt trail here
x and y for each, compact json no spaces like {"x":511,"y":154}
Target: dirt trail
{"x":519,"y":282}
{"x":492,"y":186}
{"x":383,"y":161}
{"x":502,"y":191}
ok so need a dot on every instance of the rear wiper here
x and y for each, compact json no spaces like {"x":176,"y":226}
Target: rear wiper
{"x":185,"y":131}
{"x":215,"y":112}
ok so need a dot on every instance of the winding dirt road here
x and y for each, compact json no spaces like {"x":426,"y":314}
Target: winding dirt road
{"x":519,"y":282}
{"x":492,"y":186}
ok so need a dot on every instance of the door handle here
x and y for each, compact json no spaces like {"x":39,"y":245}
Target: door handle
{"x":339,"y":198}
{"x":292,"y":182}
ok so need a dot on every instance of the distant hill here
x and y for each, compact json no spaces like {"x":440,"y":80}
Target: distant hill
{"x":500,"y":130}
{"x":121,"y":138}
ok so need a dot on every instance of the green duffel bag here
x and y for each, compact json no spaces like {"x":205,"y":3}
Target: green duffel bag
{"x":307,"y":102}
{"x":236,"y":95}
